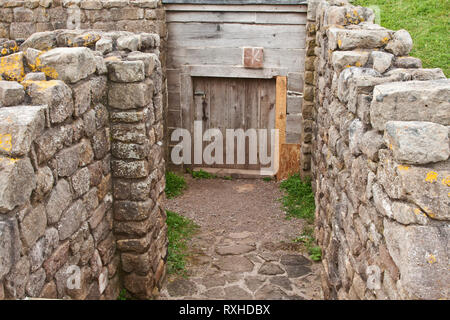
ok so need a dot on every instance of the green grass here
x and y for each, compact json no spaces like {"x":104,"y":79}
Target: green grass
{"x":298,"y":202}
{"x":201,"y":174}
{"x":428,"y":22}
{"x":307,"y":238}
{"x":267,"y":179}
{"x":175,"y":184}
{"x":180,"y":230}
{"x":299,"y":198}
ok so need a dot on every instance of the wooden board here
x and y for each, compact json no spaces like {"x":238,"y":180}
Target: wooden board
{"x":237,"y":17}
{"x":289,"y":160}
{"x":280,"y":115}
{"x":234,"y":35}
{"x":237,"y":8}
{"x":291,"y":59}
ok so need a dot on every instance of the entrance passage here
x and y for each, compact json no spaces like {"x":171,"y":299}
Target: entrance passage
{"x":243,"y":248}
{"x":233,"y":103}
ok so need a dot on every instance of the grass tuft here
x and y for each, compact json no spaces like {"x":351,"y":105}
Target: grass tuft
{"x":175,"y":184}
{"x":180,"y":231}
{"x":298,"y":202}
{"x":428,"y":22}
{"x":201,"y":174}
{"x":299,"y":198}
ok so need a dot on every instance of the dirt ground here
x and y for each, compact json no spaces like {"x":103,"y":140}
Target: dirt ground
{"x":244,"y":247}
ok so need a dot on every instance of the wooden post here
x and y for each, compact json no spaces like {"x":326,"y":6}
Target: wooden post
{"x":280,"y":117}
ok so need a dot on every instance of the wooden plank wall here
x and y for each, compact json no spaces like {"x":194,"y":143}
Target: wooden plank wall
{"x":208,"y":40}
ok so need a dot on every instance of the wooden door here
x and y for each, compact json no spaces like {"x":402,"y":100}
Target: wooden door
{"x":233,"y":103}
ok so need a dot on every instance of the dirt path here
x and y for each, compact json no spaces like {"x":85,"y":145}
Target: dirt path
{"x":244,"y":248}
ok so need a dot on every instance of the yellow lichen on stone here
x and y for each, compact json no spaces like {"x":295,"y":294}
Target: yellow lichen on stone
{"x":402,"y":168}
{"x":385,"y":40}
{"x":446,"y":181}
{"x":6,"y":142}
{"x":431,"y":258}
{"x":417,"y":211}
{"x":41,"y":85}
{"x":12,"y":67}
{"x":431,"y":177}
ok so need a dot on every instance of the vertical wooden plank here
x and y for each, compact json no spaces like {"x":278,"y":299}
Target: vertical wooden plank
{"x":280,"y":116}
{"x":290,"y":160}
{"x":187,"y":105}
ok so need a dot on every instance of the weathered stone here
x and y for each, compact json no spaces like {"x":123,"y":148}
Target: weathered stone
{"x":56,"y":94}
{"x":101,"y":143}
{"x":417,"y":142}
{"x":269,"y":268}
{"x":149,"y":60}
{"x":271,"y":292}
{"x":68,"y":64}
{"x":57,"y":260}
{"x":60,"y":199}
{"x":67,"y":161}
{"x":16,"y":280}
{"x":125,"y":132}
{"x":33,"y":225}
{"x":9,"y":244}
{"x":12,"y":68}
{"x":19,"y":127}
{"x":371,"y":142}
{"x":130,"y":150}
{"x":419,"y":74}
{"x":49,"y":291}
{"x":348,"y":39}
{"x":82,"y":97}
{"x":131,"y":43}
{"x":235,"y":264}
{"x":43,"y":248}
{"x":236,"y":293}
{"x":86,"y":153}
{"x":411,"y":101}
{"x":401,"y":43}
{"x":130,"y":95}
{"x":355,"y":134}
{"x":345,"y":59}
{"x":81,"y":182}
{"x":44,"y":182}
{"x":126,"y":71}
{"x":408,"y":62}
{"x":71,"y":220}
{"x":130,"y":169}
{"x":11,"y":93}
{"x":34,"y":76}
{"x":132,"y":210}
{"x":43,"y":41}
{"x":235,"y":249}
{"x":427,"y":187}
{"x":36,"y":283}
{"x":17,"y":181}
{"x":104,"y":45}
{"x":381,"y":60}
{"x":141,"y":286}
{"x":422,"y":258}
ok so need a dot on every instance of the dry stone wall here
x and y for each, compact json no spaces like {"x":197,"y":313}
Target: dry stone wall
{"x":81,"y":166}
{"x":376,"y":143}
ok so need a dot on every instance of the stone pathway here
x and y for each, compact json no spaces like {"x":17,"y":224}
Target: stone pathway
{"x":244,"y":249}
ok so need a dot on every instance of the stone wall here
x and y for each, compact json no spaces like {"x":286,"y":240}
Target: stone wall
{"x":376,"y":138}
{"x":80,"y":131}
{"x":19,"y":19}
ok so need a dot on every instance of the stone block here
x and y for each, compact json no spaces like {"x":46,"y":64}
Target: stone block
{"x":415,"y":142}
{"x":421,"y":255}
{"x":130,"y":95}
{"x":19,"y":127}
{"x":56,"y":94}
{"x":126,"y":71}
{"x":17,"y":181}
{"x":11,"y":93}
{"x":411,"y":101}
{"x":68,"y":64}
